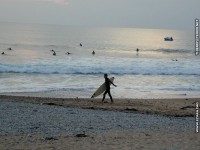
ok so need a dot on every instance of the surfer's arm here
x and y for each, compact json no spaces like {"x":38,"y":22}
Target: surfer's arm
{"x":112,"y":83}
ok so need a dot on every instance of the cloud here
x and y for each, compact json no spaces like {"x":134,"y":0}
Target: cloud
{"x":56,"y":1}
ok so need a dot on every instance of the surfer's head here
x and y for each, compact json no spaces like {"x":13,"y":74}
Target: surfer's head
{"x":105,"y":75}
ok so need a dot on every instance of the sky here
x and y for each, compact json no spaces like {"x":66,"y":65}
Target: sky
{"x":157,"y":14}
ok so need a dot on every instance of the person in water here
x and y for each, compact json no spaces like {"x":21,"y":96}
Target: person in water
{"x":93,"y":53}
{"x":107,"y":83}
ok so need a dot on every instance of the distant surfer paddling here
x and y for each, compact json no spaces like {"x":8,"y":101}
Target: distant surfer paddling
{"x":107,"y":84}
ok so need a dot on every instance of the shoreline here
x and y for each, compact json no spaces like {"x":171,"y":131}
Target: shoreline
{"x":179,"y":107}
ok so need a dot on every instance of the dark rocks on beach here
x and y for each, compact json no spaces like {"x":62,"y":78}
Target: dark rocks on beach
{"x":147,"y":134}
{"x":131,"y":109}
{"x":51,"y":104}
{"x":81,"y":135}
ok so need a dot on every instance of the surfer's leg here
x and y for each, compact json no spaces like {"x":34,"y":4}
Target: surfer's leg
{"x":110,"y":96}
{"x":104,"y":95}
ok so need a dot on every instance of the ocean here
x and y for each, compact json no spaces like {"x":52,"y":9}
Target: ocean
{"x":161,"y":69}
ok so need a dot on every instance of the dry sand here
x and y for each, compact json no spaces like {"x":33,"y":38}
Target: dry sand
{"x":112,"y":140}
{"x":155,"y":140}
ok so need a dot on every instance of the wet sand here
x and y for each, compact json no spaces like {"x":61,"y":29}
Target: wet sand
{"x":169,"y":107}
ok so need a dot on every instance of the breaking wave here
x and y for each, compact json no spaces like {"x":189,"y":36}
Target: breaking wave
{"x":136,"y":68}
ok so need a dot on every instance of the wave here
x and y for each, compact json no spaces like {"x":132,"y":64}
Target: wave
{"x":172,"y":50}
{"x":112,"y":48}
{"x":148,"y":69}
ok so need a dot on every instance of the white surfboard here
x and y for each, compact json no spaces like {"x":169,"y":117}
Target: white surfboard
{"x":101,"y":89}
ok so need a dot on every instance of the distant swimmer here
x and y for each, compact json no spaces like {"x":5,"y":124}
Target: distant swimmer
{"x":9,"y":48}
{"x":2,"y":53}
{"x":93,"y":52}
{"x":54,"y":53}
{"x":137,"y":50}
{"x":174,"y":59}
{"x":68,"y":53}
{"x":81,"y":45}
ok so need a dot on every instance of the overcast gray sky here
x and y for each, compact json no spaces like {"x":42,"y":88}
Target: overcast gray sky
{"x":171,"y":14}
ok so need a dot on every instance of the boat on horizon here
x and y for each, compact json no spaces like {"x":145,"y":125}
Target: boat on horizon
{"x":168,"y":39}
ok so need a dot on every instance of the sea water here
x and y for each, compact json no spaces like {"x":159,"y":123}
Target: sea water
{"x":160,"y":69}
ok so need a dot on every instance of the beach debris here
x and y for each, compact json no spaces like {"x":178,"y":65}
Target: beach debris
{"x":147,"y":134}
{"x":33,"y":128}
{"x":131,"y":109}
{"x":49,"y":138}
{"x":188,"y":107}
{"x":88,"y":107}
{"x":184,"y":115}
{"x":81,"y":135}
{"x":91,"y":128}
{"x":51,"y":104}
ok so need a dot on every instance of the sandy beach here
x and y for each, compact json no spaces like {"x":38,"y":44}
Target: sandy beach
{"x":114,"y":140}
{"x":170,"y":107}
{"x":58,"y":123}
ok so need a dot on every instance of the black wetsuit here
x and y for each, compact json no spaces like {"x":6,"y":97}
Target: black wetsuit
{"x":107,"y":83}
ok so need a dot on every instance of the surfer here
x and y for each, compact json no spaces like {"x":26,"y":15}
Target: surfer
{"x":107,"y":83}
{"x":93,"y":53}
{"x":54,"y":53}
{"x":2,"y":53}
{"x":80,"y":44}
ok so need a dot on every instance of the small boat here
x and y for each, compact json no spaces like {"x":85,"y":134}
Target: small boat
{"x":168,"y":39}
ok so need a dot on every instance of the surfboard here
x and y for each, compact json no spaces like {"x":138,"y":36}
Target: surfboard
{"x":101,"y":89}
